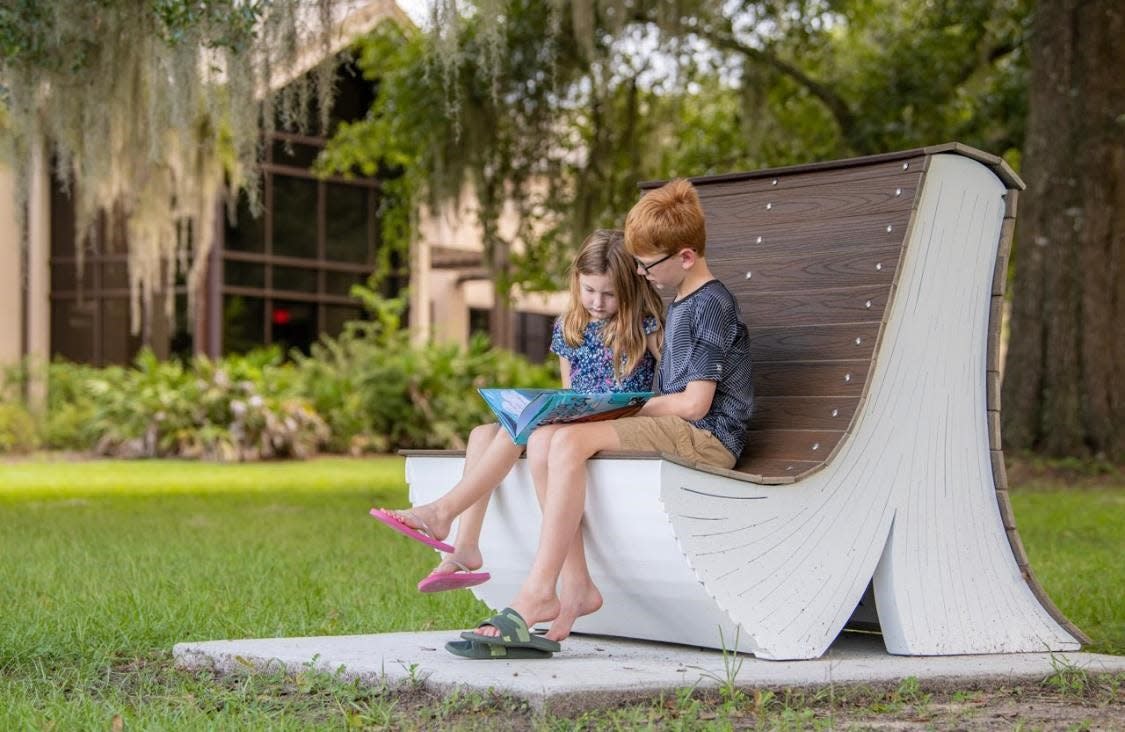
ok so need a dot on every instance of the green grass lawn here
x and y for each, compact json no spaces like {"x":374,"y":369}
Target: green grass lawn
{"x":105,"y":565}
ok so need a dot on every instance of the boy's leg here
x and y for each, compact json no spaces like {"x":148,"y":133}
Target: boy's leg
{"x":579,"y":595}
{"x":489,"y":457}
{"x":568,"y":450}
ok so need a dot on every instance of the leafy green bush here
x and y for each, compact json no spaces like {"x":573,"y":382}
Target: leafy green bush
{"x":235,"y":408}
{"x":378,"y":392}
{"x":18,"y":433}
{"x":368,"y":390}
{"x":69,"y":422}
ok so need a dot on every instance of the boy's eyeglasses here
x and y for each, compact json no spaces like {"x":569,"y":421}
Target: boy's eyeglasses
{"x":649,"y":266}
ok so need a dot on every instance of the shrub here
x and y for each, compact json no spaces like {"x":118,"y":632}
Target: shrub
{"x":18,"y":433}
{"x":367,"y":390}
{"x":378,"y":392}
{"x":235,"y":408}
{"x":69,"y":422}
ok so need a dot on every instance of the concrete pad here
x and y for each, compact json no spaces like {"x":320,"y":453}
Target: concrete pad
{"x":591,"y":669}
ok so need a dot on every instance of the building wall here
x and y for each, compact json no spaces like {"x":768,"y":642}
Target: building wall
{"x":452,"y":293}
{"x":11,"y":272}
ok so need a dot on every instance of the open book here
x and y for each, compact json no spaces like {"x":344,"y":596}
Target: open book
{"x":522,"y":410}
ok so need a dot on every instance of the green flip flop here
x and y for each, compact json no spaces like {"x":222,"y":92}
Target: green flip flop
{"x":492,"y":652}
{"x":514,"y":633}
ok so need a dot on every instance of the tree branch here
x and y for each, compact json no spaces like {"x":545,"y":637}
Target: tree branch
{"x":836,"y":105}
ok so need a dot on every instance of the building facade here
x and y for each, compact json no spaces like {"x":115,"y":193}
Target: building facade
{"x":279,"y":278}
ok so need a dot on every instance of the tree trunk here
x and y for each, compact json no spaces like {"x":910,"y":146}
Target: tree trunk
{"x":1062,"y":394}
{"x":500,"y":322}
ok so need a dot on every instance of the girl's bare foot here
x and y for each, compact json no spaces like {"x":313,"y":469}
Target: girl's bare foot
{"x":424,"y":518}
{"x":459,"y":561}
{"x":573,"y":605}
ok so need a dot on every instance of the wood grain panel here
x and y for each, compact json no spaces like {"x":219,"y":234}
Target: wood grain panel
{"x":1007,"y":516}
{"x":830,"y":378}
{"x":829,"y":270}
{"x":803,"y":413}
{"x":1000,"y":272}
{"x":862,"y":304}
{"x":774,"y":467}
{"x":814,"y":343}
{"x":733,"y":233}
{"x":866,"y":197}
{"x":765,"y":182}
{"x":999,"y":470}
{"x":1011,"y":203}
{"x":792,"y":444}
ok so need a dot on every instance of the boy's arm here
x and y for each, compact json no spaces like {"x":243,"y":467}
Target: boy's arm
{"x":691,"y":404}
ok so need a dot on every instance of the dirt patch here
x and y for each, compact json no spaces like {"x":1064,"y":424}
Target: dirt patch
{"x":1031,"y":472}
{"x":1095,"y":703}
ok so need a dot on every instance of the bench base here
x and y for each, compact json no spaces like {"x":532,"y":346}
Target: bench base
{"x":649,"y":590}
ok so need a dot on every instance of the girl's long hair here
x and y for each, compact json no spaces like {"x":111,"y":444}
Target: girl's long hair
{"x":603,"y":252}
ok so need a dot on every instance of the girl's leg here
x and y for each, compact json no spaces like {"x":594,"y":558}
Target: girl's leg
{"x":564,"y":502}
{"x":467,"y":544}
{"x":489,"y":456}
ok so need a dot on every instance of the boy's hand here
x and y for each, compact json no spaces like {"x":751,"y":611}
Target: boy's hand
{"x":691,"y":404}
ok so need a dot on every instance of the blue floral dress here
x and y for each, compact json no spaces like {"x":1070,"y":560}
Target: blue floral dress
{"x":591,"y":363}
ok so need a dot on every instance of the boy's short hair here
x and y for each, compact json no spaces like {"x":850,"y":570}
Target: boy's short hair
{"x":666,"y":220}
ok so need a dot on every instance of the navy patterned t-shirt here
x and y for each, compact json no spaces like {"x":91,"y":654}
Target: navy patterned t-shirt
{"x":705,"y":340}
{"x":591,"y":362}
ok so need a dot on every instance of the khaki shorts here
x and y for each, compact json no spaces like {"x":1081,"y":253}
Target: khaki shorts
{"x":673,"y":435}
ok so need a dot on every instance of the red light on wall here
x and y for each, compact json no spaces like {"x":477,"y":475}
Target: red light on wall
{"x":282,"y":316}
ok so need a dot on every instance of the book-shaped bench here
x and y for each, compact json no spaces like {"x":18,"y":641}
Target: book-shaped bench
{"x":872,"y":489}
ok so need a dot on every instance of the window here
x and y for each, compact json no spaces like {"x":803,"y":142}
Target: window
{"x":90,"y":316}
{"x":287,"y":275}
{"x":533,"y":335}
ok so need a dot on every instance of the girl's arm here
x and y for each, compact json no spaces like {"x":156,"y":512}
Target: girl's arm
{"x":564,"y":369}
{"x":652,"y":343}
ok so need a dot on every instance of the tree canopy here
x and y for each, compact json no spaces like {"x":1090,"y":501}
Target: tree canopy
{"x":150,"y":107}
{"x":561,"y":108}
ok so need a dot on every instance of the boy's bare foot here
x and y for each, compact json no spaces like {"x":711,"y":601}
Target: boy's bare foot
{"x":424,"y":518}
{"x":573,"y":605}
{"x":532,"y":609}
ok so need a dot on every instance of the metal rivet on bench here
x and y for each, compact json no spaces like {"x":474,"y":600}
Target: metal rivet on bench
{"x":898,"y":191}
{"x":879,"y":265}
{"x":858,"y":341}
{"x":749,"y":275}
{"x":847,"y":377}
{"x":816,"y":446}
{"x":835,"y":412}
{"x":867,"y":304}
{"x":769,"y":206}
{"x":906,"y":166}
{"x":759,"y":241}
{"x":890,"y":228}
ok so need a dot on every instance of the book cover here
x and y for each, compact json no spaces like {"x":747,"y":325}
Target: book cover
{"x":522,"y":410}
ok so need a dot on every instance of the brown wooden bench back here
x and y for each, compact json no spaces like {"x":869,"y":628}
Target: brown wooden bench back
{"x":811,"y":254}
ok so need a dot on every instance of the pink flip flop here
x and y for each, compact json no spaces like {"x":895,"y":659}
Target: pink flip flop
{"x":423,"y":536}
{"x":459,"y":580}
